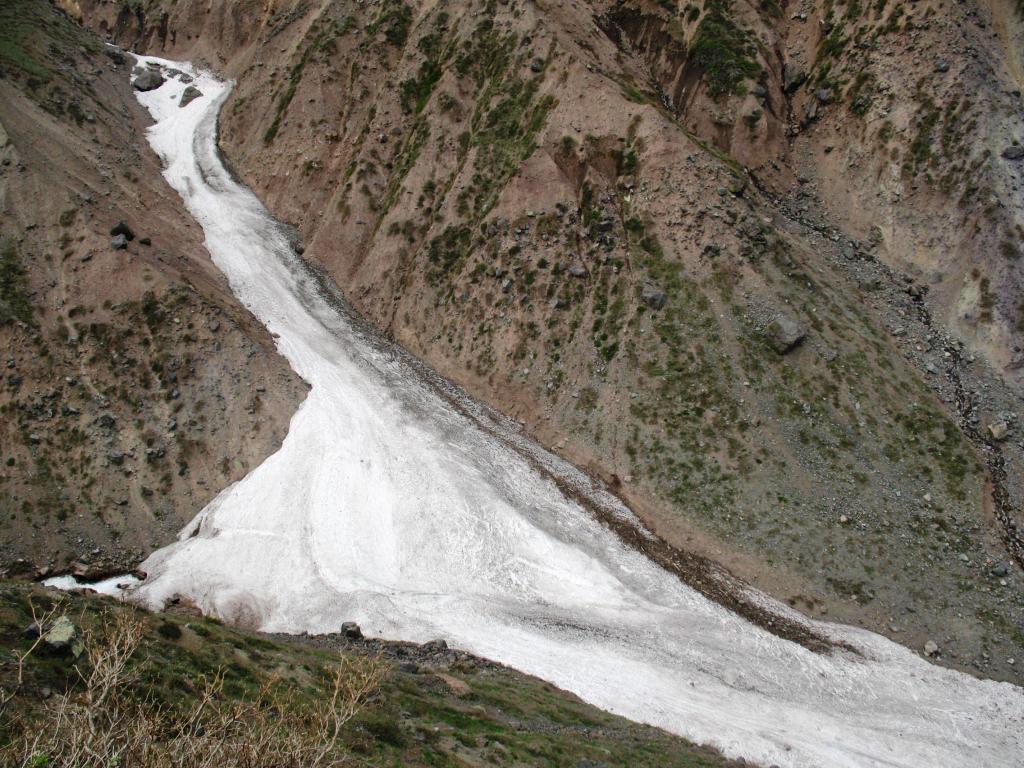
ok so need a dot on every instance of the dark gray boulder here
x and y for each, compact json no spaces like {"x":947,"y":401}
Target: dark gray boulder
{"x":147,"y":79}
{"x":793,"y":76}
{"x":116,"y":55}
{"x":122,"y":229}
{"x":189,"y":95}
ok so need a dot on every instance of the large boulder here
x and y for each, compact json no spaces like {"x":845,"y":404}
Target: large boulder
{"x":147,"y":79}
{"x":784,"y":333}
{"x":189,"y":95}
{"x":64,"y":638}
{"x":793,"y":76}
{"x":116,"y":55}
{"x":122,"y":229}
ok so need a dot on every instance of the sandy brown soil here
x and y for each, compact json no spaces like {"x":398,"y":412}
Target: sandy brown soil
{"x":134,"y":387}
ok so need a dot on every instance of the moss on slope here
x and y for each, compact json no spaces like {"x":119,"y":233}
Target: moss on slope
{"x":432,"y":709}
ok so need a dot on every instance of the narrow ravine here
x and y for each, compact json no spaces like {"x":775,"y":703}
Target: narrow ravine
{"x":388,"y":506}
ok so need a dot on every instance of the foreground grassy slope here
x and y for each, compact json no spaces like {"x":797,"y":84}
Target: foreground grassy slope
{"x":433,"y":707}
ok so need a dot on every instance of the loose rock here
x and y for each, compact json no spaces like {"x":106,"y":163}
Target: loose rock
{"x":435,"y":646}
{"x":147,"y":79}
{"x":122,"y":229}
{"x":999,"y":430}
{"x":189,"y":95}
{"x":784,"y":333}
{"x":64,"y":638}
{"x":653,"y":297}
{"x":793,"y":76}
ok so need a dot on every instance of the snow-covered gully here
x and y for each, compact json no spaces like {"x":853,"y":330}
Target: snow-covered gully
{"x":388,"y":506}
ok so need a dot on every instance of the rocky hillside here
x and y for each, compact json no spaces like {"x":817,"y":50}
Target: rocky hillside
{"x":730,"y":257}
{"x":431,"y":706}
{"x":134,"y":387}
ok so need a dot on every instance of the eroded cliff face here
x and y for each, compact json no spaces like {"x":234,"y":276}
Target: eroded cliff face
{"x":919,"y":151}
{"x":134,"y":387}
{"x":667,"y":239}
{"x":901,"y":119}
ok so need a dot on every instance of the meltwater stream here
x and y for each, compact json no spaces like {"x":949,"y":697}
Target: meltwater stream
{"x":389,"y":506}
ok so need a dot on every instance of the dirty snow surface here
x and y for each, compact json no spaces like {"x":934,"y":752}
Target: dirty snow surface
{"x":390,"y":505}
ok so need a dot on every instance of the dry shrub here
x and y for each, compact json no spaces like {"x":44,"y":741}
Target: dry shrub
{"x":105,"y":722}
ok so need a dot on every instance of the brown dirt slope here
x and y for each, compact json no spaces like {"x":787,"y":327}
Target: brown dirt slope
{"x":552,"y":204}
{"x":133,"y":387}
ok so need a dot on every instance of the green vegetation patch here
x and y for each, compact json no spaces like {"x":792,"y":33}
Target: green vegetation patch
{"x":689,"y":417}
{"x":394,"y":21}
{"x":504,"y":137}
{"x":487,"y":54}
{"x":723,"y":50}
{"x":14,"y":300}
{"x":921,"y":147}
{"x":21,"y":33}
{"x":415,"y":92}
{"x":448,"y":250}
{"x":323,"y":38}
